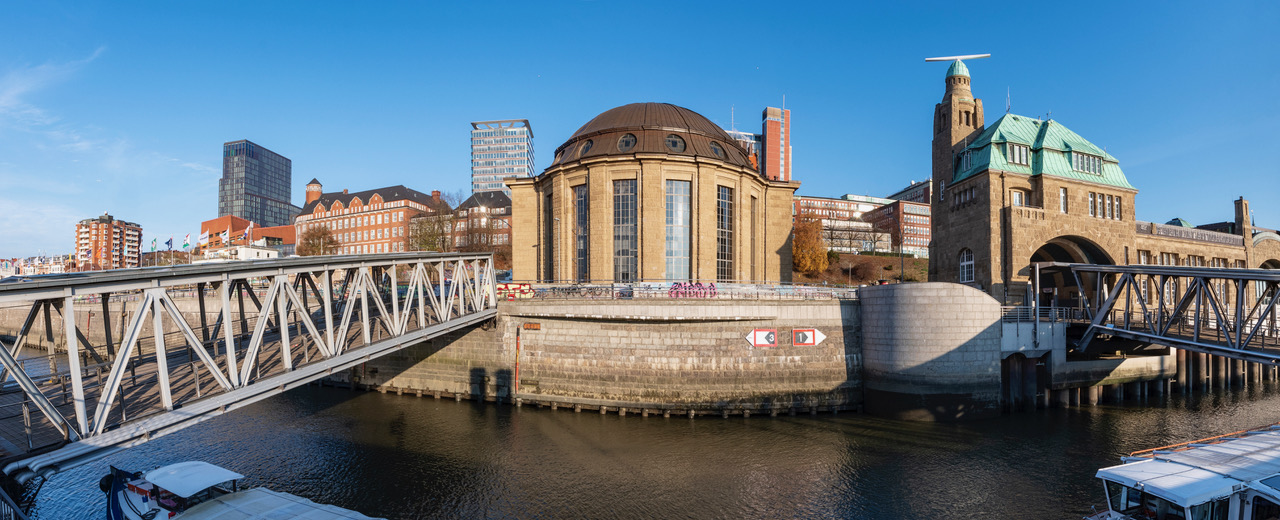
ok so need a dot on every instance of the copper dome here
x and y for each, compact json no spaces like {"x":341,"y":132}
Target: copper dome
{"x":650,"y":126}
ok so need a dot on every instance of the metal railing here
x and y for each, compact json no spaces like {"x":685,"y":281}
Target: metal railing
{"x":523,"y":290}
{"x":1027,"y":314}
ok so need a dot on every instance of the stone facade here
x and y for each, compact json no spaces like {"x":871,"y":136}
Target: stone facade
{"x":1009,"y":220}
{"x":643,"y":355}
{"x":948,"y":370}
{"x":544,"y":222}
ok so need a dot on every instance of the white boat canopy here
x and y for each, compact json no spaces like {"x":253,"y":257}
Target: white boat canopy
{"x":1203,"y":471}
{"x":1182,"y":485}
{"x":188,"y":478}
{"x":263,"y":503}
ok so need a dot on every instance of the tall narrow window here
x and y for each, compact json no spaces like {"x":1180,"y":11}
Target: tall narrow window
{"x":966,"y":266}
{"x":751,"y":253}
{"x":1092,"y":207}
{"x":625,"y":241}
{"x":724,"y":234}
{"x":1018,"y":154}
{"x":582,"y":231}
{"x":1119,"y":214}
{"x":548,"y":240}
{"x":678,"y":235}
{"x":1062,"y":199}
{"x":1110,"y":201}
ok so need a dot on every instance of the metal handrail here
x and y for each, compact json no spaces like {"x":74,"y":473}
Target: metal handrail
{"x":672,"y":291}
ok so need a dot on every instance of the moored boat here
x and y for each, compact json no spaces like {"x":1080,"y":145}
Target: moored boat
{"x":195,"y":490}
{"x":1234,"y":476}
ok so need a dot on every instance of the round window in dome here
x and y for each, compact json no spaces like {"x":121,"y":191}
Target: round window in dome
{"x":716,"y":149}
{"x":675,"y":143}
{"x":586,"y":147}
{"x":626,"y":142}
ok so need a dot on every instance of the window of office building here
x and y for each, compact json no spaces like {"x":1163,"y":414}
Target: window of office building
{"x":724,"y":234}
{"x":625,"y":239}
{"x":678,"y":230}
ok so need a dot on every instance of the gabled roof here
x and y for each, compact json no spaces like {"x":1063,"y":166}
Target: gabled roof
{"x":1177,"y":221}
{"x":488,"y":199}
{"x":1051,"y":145}
{"x":388,"y":194}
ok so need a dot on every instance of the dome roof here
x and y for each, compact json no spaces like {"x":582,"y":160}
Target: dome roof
{"x":651,"y":128}
{"x":958,"y":68}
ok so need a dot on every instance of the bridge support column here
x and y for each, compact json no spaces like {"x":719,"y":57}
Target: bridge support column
{"x":1061,"y":398}
{"x":1091,"y":394}
{"x":1029,"y":400}
{"x":1255,"y":372}
{"x":1220,"y":372}
{"x":1074,"y":395}
{"x":1133,"y":391}
{"x":1202,"y":371}
{"x":1237,"y":373}
{"x":1182,"y":369}
{"x":1156,"y":388}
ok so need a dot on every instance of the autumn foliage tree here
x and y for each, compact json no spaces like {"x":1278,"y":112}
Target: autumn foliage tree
{"x":317,"y":240}
{"x":807,"y":249}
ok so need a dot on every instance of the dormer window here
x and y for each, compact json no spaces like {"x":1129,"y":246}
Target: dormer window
{"x":966,"y":160}
{"x":1019,"y":154}
{"x":1086,"y":163}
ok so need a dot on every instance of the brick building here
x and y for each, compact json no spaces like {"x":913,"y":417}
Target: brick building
{"x":106,"y":243}
{"x":651,"y":192}
{"x":769,"y":151}
{"x":482,"y":222}
{"x":1025,"y":191}
{"x":844,"y":229}
{"x":241,"y":232}
{"x":915,"y":192}
{"x":907,"y":223}
{"x":371,"y":221}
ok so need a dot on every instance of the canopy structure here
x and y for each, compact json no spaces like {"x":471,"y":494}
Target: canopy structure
{"x":262,"y":503}
{"x":188,"y":478}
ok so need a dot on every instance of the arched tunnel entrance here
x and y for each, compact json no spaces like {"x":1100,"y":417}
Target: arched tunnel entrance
{"x":1057,"y":286}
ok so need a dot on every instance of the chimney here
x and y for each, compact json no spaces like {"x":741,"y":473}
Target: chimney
{"x":435,"y":195}
{"x":344,"y":191}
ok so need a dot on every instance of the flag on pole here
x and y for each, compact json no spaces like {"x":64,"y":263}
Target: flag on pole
{"x":226,"y":236}
{"x":186,"y":242}
{"x":204,"y":238}
{"x":246,"y":231}
{"x":153,"y":245}
{"x":169,"y":243}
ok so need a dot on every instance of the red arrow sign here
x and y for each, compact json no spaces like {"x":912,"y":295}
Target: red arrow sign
{"x":763,"y":337}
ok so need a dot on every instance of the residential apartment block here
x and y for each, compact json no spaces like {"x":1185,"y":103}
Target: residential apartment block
{"x":371,"y":221}
{"x":106,"y":243}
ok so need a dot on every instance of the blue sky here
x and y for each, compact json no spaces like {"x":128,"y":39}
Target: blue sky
{"x":124,"y":108}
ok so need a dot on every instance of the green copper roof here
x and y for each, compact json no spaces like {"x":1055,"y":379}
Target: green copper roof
{"x":1179,"y":222}
{"x":1051,"y":145}
{"x":958,"y":69}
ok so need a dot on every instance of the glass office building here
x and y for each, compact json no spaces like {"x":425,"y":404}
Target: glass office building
{"x":255,"y":185}
{"x":500,"y":150}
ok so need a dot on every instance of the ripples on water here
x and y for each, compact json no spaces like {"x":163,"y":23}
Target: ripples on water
{"x":404,"y":457}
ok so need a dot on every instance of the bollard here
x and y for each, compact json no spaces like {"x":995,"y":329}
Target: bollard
{"x":691,"y":414}
{"x":622,"y":412}
{"x":602,"y":410}
{"x":666,"y":413}
{"x":577,"y":408}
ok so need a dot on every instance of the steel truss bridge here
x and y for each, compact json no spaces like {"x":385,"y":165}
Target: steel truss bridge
{"x":1218,"y":311}
{"x":198,"y":341}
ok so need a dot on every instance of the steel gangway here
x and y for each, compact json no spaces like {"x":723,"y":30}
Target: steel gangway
{"x":107,"y":360}
{"x":1219,"y":311}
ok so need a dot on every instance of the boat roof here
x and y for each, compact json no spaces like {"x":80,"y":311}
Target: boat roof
{"x":263,"y":503}
{"x":188,"y":478}
{"x":1197,"y":472}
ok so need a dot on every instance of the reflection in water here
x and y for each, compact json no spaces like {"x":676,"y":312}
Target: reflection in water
{"x":407,"y":457}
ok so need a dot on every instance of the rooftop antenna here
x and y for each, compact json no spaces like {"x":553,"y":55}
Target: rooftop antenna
{"x":954,"y":58}
{"x":1008,"y":99}
{"x":731,"y":125}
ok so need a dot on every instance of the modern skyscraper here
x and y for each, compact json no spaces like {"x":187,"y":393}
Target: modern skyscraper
{"x":775,"y":161}
{"x":500,"y":150}
{"x":256,"y":184}
{"x":106,"y":243}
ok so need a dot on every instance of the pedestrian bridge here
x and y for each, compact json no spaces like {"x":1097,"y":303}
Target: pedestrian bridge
{"x":104,"y":361}
{"x":1217,"y":311}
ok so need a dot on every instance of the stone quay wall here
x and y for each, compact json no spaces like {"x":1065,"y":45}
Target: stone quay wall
{"x":643,"y":356}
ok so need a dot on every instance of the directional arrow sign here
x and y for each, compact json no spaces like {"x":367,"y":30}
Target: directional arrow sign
{"x":763,"y":337}
{"x":807,"y":337}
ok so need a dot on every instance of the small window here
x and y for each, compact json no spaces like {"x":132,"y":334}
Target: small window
{"x":1119,"y":213}
{"x":1092,"y":206}
{"x":1062,"y":199}
{"x":716,"y":149}
{"x":626,"y":142}
{"x":1019,"y":154}
{"x":586,"y":147}
{"x":966,"y":266}
{"x":675,"y":143}
{"x":1019,"y":199}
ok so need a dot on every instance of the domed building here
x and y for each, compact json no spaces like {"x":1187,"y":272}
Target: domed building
{"x":651,"y":192}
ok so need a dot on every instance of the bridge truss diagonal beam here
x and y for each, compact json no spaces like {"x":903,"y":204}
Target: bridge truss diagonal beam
{"x":305,"y":319}
{"x":1220,"y":311}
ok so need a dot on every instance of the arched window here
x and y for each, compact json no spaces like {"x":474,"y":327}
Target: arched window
{"x":966,"y":266}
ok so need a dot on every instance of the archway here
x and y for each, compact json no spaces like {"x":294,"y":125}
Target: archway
{"x":1057,"y":285}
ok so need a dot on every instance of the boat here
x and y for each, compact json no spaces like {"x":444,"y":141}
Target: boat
{"x":1233,"y":476}
{"x":196,"y":490}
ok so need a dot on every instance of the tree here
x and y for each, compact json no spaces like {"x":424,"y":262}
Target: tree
{"x":430,"y":233}
{"x":807,"y":249}
{"x":318,"y":240}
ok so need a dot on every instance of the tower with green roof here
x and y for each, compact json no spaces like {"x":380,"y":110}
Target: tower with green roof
{"x":956,"y":121}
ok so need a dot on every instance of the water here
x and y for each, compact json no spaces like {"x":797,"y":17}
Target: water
{"x":407,"y":457}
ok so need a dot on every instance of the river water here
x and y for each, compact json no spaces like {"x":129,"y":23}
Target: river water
{"x":405,"y":457}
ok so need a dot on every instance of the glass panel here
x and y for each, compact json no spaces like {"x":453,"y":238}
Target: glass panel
{"x":724,"y":234}
{"x":625,"y":241}
{"x":582,"y":231}
{"x":678,"y":244}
